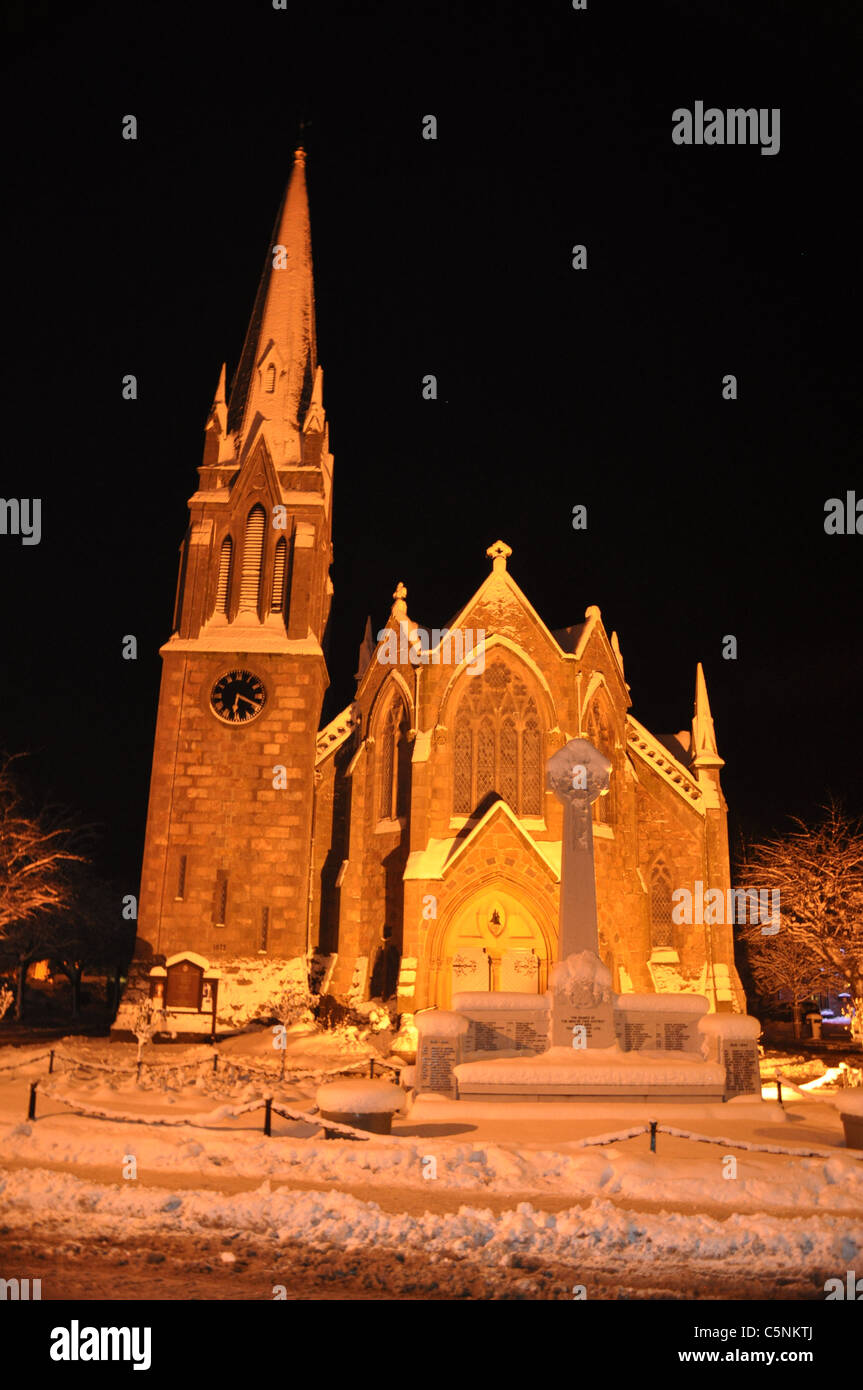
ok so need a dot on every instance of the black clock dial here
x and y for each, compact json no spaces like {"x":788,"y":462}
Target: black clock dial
{"x":238,"y":697}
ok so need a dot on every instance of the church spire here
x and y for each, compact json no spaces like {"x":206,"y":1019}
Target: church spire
{"x":275,"y":378}
{"x":704,"y":750}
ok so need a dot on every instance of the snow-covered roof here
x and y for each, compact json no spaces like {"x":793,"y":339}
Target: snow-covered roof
{"x":334,"y":734}
{"x":651,"y":751}
{"x":439,"y":855}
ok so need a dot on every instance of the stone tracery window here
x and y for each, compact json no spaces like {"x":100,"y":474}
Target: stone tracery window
{"x":661,"y":934}
{"x":497,"y":743}
{"x":600,"y":734}
{"x":394,"y":785}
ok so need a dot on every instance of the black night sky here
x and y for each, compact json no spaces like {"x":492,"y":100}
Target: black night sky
{"x":557,"y":387}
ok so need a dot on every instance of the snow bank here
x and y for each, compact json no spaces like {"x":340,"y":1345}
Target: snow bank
{"x":440,"y":1023}
{"x":504,"y":1000}
{"x":662,"y":1003}
{"x":730,"y":1026}
{"x":596,"y":1236}
{"x":358,"y":1097}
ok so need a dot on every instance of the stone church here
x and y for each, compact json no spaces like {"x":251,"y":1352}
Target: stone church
{"x":410,"y":845}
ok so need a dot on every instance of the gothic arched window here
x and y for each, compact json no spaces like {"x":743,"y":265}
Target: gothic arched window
{"x":661,"y":933}
{"x":394,"y":786}
{"x":253,"y":550}
{"x":497,"y":743}
{"x":223,"y":588}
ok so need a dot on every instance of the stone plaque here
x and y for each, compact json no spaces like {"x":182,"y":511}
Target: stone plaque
{"x":519,"y":971}
{"x":597,"y":1021}
{"x":470,"y":970}
{"x":645,"y":1030}
{"x":742,"y":1073}
{"x":581,"y":998}
{"x":506,"y":1031}
{"x":436,"y":1063}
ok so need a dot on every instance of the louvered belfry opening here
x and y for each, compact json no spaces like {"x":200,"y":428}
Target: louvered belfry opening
{"x":279,"y":565}
{"x":223,"y":590}
{"x":253,"y":549}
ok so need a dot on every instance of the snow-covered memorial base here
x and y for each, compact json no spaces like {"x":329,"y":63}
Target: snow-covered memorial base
{"x":579,"y":1041}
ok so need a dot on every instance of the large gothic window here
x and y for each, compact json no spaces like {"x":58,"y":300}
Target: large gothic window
{"x":497,"y":743}
{"x":395,"y":763}
{"x":660,"y":906}
{"x":253,"y":550}
{"x":599,"y":733}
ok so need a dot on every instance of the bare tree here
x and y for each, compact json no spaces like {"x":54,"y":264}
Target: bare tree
{"x":35,"y":849}
{"x":783,"y":965}
{"x":149,"y":1020}
{"x":818,"y":870}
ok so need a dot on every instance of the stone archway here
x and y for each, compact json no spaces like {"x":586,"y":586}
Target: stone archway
{"x":499,"y":919}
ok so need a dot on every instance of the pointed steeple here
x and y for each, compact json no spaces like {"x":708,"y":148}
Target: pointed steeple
{"x":276,"y":374}
{"x":704,"y":750}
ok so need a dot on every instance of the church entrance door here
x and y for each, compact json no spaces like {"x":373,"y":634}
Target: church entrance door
{"x":493,"y":942}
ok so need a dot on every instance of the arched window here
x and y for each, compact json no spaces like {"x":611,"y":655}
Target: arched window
{"x":394,"y":786}
{"x":223,"y":589}
{"x":270,"y":379}
{"x":661,"y":933}
{"x":497,"y":743}
{"x":599,"y":733}
{"x":278,"y":603}
{"x":253,"y":549}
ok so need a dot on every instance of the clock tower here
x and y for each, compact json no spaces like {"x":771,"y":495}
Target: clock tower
{"x":228,"y":846}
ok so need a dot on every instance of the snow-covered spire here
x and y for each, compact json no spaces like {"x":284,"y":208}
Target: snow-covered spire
{"x":704,"y":750}
{"x":275,"y":378}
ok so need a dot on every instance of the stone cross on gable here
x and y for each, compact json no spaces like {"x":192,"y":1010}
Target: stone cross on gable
{"x":498,"y":554}
{"x":577,"y":774}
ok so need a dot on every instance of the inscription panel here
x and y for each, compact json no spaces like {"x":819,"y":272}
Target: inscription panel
{"x":645,"y":1030}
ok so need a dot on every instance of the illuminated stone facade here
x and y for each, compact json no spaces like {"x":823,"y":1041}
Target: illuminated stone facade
{"x":412,"y":837}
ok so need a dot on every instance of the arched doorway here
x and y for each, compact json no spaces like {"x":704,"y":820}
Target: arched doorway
{"x":492,"y":940}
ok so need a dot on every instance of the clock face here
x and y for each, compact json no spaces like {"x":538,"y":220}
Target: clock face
{"x":238,"y":697}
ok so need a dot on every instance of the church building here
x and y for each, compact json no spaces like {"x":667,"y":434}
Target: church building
{"x":410,"y":845}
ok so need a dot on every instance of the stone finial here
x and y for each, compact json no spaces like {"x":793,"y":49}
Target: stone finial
{"x":399,"y":608}
{"x":705,"y":752}
{"x":499,"y":553}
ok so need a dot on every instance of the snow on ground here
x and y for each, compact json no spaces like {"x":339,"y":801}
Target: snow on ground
{"x":337,"y":1219}
{"x":453,"y":1177}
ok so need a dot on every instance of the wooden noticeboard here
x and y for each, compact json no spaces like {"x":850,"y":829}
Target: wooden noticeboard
{"x":184,"y":986}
